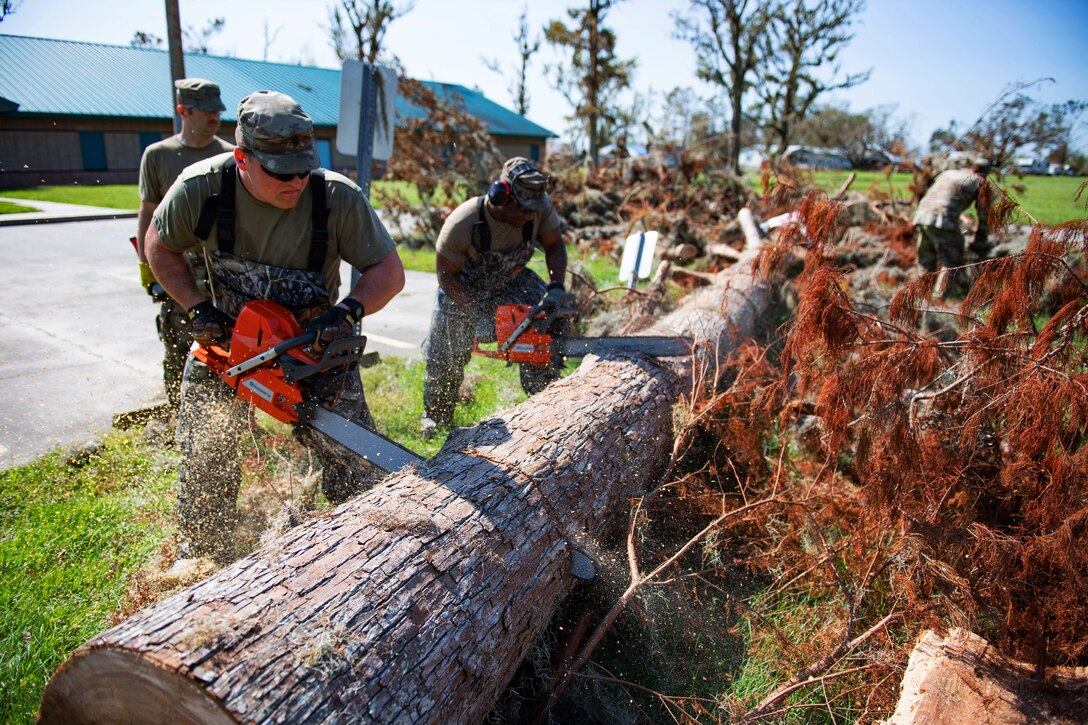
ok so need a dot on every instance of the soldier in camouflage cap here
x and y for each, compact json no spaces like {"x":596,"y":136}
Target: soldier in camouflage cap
{"x":275,"y":129}
{"x":198,"y":106}
{"x":199,"y":93}
{"x":481,"y":257}
{"x":273,"y":226}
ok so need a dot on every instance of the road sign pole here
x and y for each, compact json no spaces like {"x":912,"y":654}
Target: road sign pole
{"x":638,"y":260}
{"x":365,"y":155}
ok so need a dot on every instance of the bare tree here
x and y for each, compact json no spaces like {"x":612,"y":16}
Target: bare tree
{"x":595,"y":76}
{"x":725,"y":35}
{"x":1013,"y":123}
{"x":800,"y":53}
{"x":358,"y":27}
{"x":858,"y":135}
{"x":7,"y":7}
{"x":526,"y":48}
{"x":196,"y":40}
{"x":140,"y":39}
{"x":269,"y":38}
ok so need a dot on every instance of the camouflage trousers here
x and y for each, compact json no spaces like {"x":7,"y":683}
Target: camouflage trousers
{"x":938,"y":246}
{"x":936,"y":249}
{"x":448,"y":347}
{"x":211,"y":423}
{"x":172,"y":324}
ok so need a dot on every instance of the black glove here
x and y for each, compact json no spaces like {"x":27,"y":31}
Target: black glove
{"x":335,"y":322}
{"x":209,"y":324}
{"x":558,"y":299}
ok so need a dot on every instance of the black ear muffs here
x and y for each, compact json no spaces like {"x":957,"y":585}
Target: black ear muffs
{"x":500,"y":193}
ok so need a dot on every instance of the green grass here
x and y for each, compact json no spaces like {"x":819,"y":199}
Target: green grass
{"x":71,"y":536}
{"x":6,"y":207}
{"x":73,"y":533}
{"x":110,"y":196}
{"x":1049,"y":199}
{"x":603,"y":269}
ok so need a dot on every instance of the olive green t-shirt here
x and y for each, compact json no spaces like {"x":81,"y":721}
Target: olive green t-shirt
{"x":455,"y":240}
{"x":270,"y":235}
{"x":163,"y":161}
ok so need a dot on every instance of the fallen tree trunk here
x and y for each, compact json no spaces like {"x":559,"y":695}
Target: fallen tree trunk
{"x":416,"y":601}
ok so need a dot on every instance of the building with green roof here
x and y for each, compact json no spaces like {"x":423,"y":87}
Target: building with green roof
{"x":75,"y":112}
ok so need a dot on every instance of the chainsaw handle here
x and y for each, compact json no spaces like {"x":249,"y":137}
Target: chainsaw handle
{"x":271,"y":354}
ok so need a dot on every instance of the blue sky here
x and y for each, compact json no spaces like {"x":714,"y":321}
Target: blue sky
{"x":936,"y":60}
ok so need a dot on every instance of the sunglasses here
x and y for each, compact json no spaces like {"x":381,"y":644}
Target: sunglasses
{"x":285,"y":177}
{"x":278,"y":176}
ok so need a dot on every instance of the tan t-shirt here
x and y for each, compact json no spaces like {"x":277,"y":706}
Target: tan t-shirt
{"x":951,"y":193}
{"x":455,"y":240}
{"x":163,"y":161}
{"x":270,"y":235}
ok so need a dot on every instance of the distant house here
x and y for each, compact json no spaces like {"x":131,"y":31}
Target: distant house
{"x":74,"y":112}
{"x":1028,"y":165}
{"x":816,"y":158}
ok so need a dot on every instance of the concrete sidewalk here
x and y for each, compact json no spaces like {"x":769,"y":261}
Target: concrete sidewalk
{"x":51,"y":211}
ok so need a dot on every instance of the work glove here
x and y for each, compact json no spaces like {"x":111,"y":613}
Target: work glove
{"x":150,"y":284}
{"x":336,"y":322}
{"x":209,"y":324}
{"x":558,"y":299}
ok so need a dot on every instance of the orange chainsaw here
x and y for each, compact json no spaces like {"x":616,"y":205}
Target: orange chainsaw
{"x":525,"y":334}
{"x":270,"y":362}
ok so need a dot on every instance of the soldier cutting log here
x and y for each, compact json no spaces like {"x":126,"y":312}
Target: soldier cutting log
{"x":482,"y":251}
{"x":272,"y":225}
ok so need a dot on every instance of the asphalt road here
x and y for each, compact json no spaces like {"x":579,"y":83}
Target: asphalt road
{"x":77,"y":334}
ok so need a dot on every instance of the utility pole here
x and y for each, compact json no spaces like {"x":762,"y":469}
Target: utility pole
{"x":177,"y":57}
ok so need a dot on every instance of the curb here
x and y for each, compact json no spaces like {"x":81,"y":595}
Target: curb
{"x":60,"y":219}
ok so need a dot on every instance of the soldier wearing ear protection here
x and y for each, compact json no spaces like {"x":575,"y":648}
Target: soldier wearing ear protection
{"x":482,"y":251}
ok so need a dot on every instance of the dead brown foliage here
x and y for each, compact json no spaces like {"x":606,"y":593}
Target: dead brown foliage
{"x":962,"y":460}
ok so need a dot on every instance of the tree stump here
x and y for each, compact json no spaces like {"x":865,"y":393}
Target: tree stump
{"x":417,"y":600}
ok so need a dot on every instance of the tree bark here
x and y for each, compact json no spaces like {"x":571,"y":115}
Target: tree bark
{"x":417,"y":600}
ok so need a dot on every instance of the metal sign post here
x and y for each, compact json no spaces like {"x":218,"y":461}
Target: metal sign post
{"x":361,"y":131}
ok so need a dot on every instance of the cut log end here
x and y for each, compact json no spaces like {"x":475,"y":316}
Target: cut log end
{"x":117,"y":686}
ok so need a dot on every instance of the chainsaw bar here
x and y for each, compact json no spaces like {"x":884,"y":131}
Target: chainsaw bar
{"x":647,"y":345}
{"x":380,"y":451}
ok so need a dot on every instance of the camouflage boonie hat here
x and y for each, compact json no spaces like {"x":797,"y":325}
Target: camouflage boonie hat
{"x":274,"y":128}
{"x":529,"y":184}
{"x":199,"y":93}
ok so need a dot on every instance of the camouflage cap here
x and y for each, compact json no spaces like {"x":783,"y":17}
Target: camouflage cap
{"x":529,"y":184}
{"x":275,"y":129}
{"x":199,"y":93}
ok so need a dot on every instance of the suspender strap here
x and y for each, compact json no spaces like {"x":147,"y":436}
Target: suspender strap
{"x":219,"y":208}
{"x":319,"y":237}
{"x":527,"y":231}
{"x":481,"y":232}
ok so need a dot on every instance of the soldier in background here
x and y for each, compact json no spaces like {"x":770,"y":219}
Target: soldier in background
{"x":199,"y":106}
{"x":940,"y":241}
{"x":481,"y":257}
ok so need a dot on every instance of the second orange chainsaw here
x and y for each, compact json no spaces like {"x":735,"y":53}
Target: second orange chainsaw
{"x":525,"y":334}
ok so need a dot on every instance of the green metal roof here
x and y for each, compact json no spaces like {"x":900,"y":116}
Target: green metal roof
{"x":44,"y":77}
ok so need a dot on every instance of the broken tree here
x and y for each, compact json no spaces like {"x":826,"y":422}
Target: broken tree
{"x":417,"y":600}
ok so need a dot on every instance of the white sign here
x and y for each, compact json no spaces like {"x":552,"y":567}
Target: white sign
{"x":351,"y":110}
{"x":638,"y":257}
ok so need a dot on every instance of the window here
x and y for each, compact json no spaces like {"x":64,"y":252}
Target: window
{"x":324,"y":151}
{"x":534,"y":152}
{"x":147,"y":138}
{"x":92,"y":144}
